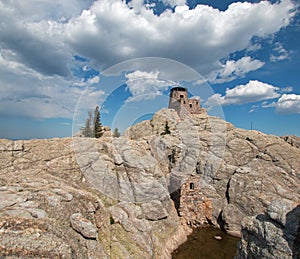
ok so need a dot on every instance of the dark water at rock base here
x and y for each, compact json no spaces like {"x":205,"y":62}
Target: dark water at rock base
{"x":201,"y":244}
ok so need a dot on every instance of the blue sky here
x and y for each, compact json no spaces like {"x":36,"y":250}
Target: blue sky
{"x":59,"y":59}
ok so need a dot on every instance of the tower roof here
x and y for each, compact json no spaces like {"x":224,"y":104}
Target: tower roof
{"x":178,"y":88}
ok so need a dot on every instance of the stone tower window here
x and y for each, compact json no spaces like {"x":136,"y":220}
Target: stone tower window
{"x":192,"y":186}
{"x":181,"y":96}
{"x":191,"y":105}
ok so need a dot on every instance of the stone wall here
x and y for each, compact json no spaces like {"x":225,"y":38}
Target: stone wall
{"x":194,"y":206}
{"x":194,"y":106}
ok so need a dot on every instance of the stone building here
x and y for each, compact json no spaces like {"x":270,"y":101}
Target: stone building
{"x":189,"y":200}
{"x":184,"y":106}
{"x":192,"y":204}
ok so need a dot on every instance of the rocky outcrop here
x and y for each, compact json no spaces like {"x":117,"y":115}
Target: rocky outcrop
{"x":292,"y":140}
{"x":110,"y":197}
{"x":240,"y":172}
{"x":52,"y":204}
{"x":156,"y":126}
{"x":83,"y":226}
{"x":275,"y":234}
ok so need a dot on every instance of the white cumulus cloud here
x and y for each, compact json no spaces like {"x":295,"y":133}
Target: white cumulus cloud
{"x":29,"y":93}
{"x":288,"y":103}
{"x":233,"y":69}
{"x":254,"y":91}
{"x":109,"y":31}
{"x":39,"y":39}
{"x":145,"y":85}
{"x":174,"y":2}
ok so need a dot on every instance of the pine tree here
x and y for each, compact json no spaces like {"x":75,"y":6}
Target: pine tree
{"x":116,"y":133}
{"x":87,"y":130}
{"x":167,"y":129}
{"x":98,"y":129}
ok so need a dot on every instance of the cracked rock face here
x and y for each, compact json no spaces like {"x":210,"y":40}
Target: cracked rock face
{"x":110,"y":197}
{"x":50,"y":209}
{"x":241,"y":172}
{"x":275,"y":234}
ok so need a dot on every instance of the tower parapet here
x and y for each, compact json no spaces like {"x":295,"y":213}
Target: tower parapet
{"x":180,"y":102}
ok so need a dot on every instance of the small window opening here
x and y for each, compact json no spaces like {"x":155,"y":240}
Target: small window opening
{"x":191,"y":105}
{"x":181,"y":96}
{"x":192,"y":186}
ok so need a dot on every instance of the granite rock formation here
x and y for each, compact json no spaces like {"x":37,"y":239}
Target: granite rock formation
{"x":241,"y":172}
{"x":110,"y":197}
{"x":275,"y":234}
{"x":48,"y":208}
{"x":293,"y":140}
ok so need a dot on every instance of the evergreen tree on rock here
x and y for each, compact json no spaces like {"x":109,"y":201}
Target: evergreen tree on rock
{"x":87,"y":130}
{"x":167,"y":129}
{"x":98,"y":128}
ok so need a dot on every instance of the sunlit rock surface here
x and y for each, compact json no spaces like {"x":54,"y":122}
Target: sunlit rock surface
{"x":110,"y":197}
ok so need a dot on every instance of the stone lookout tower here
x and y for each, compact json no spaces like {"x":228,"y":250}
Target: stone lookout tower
{"x":180,"y":102}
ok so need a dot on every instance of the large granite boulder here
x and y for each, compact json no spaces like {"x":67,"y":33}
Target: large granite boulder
{"x":275,"y":234}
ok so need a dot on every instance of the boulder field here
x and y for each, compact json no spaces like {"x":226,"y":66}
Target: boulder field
{"x":138,"y":196}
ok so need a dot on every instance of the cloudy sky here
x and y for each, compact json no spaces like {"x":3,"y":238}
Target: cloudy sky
{"x":55,"y":53}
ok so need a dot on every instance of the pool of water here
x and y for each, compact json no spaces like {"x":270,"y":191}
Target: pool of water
{"x":201,"y":244}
